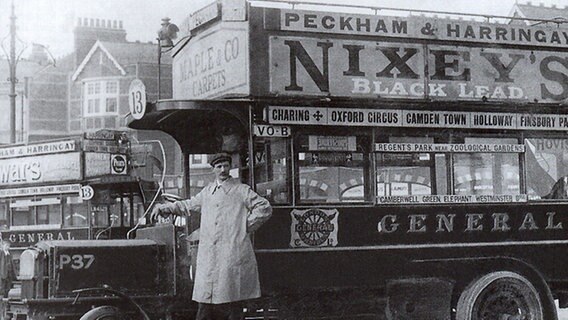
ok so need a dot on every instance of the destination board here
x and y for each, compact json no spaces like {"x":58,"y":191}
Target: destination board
{"x":415,"y":118}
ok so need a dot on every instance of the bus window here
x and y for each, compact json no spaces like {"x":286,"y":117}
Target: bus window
{"x":36,"y":211}
{"x":272,"y":161}
{"x":410,"y":173}
{"x":49,"y":214}
{"x":126,"y":212}
{"x":333,"y":168}
{"x":3,"y":215}
{"x":117,"y":211}
{"x":99,"y":215}
{"x":546,"y":162}
{"x":124,"y":202}
{"x":479,"y":173}
{"x":75,"y":212}
{"x":137,"y":207}
{"x":22,"y":215}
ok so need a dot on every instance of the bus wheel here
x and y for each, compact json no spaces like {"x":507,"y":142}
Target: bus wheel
{"x":500,"y":295}
{"x":103,"y":313}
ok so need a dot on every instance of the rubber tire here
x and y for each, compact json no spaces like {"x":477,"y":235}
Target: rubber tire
{"x":469,"y":299}
{"x":103,"y":312}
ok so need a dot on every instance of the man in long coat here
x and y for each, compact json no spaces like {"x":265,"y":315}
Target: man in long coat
{"x":226,"y":271}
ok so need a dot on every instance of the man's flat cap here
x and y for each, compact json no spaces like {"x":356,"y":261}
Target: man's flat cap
{"x":219,"y":157}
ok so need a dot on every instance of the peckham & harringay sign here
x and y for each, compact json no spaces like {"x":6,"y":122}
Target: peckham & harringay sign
{"x":418,"y":28}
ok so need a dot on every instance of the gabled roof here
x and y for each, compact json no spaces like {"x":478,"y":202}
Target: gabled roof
{"x":97,"y":46}
{"x":135,"y":52}
{"x":124,"y":53}
{"x":528,"y":10}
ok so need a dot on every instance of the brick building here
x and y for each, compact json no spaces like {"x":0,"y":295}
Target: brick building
{"x":529,"y":10}
{"x":87,"y":90}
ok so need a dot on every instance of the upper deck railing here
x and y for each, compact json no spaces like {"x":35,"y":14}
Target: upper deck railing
{"x":318,"y":6}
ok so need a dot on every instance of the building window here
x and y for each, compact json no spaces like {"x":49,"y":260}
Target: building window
{"x":111,"y":105}
{"x":93,"y":123}
{"x":101,"y":97}
{"x":197,"y":159}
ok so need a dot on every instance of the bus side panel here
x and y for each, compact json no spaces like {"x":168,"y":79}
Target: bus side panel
{"x":376,"y":244}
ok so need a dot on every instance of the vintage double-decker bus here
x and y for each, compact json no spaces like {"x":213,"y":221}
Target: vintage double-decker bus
{"x":79,"y":187}
{"x":416,"y":165}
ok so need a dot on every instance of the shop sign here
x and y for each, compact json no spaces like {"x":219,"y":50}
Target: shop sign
{"x":415,"y":118}
{"x":103,"y":134}
{"x":40,"y":169}
{"x":25,"y":238}
{"x":368,"y":69}
{"x":97,"y":164}
{"x":43,"y":190}
{"x":215,"y":64}
{"x":38,"y":149}
{"x":314,"y":228}
{"x":420,"y":28}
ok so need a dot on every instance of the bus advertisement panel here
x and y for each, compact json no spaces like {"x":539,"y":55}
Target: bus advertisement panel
{"x":366,"y":68}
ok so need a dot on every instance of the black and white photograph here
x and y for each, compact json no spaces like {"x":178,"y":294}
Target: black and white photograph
{"x":283,"y":160}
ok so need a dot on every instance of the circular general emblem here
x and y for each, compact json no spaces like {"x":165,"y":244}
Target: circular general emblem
{"x":314,"y":226}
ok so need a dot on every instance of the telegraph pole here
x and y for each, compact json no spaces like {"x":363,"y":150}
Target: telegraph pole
{"x":12,"y":62}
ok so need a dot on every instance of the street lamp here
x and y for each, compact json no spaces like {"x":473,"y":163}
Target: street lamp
{"x":13,"y":58}
{"x":12,"y":62}
{"x":166,"y":34}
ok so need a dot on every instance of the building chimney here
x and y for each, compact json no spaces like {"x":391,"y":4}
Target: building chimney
{"x":38,"y":54}
{"x":89,"y":30}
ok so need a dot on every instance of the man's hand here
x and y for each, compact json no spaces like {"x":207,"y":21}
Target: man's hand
{"x":160,"y":209}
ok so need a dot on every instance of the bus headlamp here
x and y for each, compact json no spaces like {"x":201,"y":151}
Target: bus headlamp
{"x":28,"y":262}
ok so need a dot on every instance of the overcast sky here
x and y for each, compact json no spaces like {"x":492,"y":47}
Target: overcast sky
{"x":50,"y":22}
